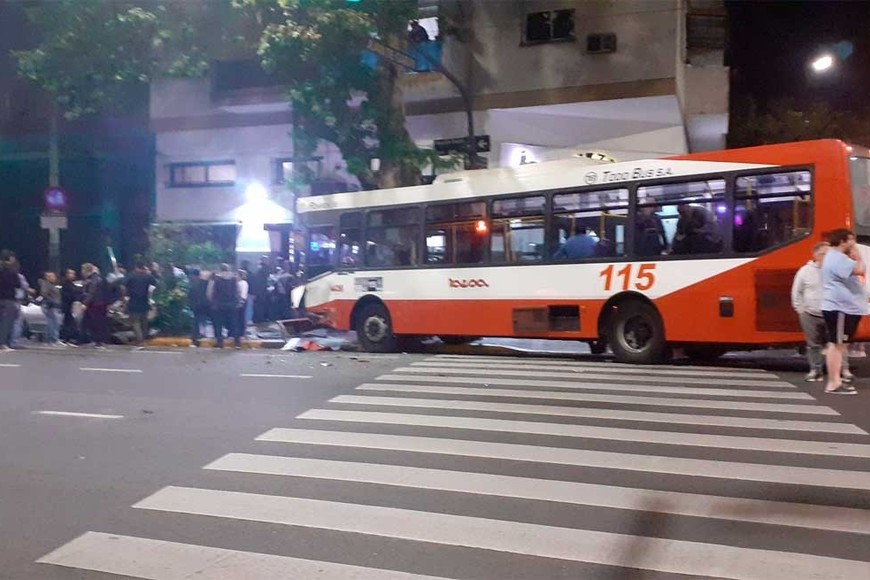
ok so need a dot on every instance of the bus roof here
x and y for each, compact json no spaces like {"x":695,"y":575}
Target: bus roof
{"x":549,"y":175}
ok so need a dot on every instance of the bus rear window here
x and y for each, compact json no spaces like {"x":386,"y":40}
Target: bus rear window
{"x":859,"y":172}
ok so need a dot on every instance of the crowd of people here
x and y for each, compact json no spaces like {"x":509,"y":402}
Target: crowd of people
{"x":77,"y":309}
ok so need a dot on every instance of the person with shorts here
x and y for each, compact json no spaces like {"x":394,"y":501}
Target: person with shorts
{"x":843,"y":303}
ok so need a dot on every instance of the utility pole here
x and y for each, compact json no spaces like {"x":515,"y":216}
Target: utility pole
{"x":54,"y":197}
{"x":405,"y":60}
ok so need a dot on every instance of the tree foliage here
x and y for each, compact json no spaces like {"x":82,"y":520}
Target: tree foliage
{"x":785,"y":122}
{"x":94,"y":53}
{"x":316,"y":47}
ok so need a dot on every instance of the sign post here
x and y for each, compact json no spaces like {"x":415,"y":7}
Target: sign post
{"x":54,"y":219}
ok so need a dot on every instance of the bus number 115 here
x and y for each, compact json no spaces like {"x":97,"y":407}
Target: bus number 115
{"x":643,"y":278}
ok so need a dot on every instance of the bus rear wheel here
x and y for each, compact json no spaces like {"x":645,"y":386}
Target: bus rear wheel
{"x":374,"y":329}
{"x":636,"y":333}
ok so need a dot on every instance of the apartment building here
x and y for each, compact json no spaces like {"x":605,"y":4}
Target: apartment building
{"x":545,"y":78}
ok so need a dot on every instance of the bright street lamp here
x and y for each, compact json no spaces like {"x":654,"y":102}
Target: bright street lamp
{"x":823,"y":63}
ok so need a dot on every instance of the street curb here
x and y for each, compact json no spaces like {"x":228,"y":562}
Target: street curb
{"x":182,"y":342}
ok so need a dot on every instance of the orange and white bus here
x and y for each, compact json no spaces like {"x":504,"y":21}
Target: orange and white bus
{"x":696,"y":251}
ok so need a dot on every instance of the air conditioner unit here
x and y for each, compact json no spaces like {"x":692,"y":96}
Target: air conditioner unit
{"x":600,"y":43}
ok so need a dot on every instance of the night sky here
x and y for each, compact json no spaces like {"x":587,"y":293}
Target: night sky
{"x":772,"y":42}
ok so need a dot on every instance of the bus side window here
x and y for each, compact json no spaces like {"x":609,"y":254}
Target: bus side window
{"x":392,"y":237}
{"x":456,"y":233}
{"x":771,"y":209}
{"x":517,"y":230}
{"x":589,"y":224}
{"x":690,"y":213}
{"x":320,"y":254}
{"x":349,"y":240}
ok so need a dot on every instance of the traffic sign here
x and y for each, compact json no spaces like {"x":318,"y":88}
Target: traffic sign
{"x":460,"y":145}
{"x":55,"y":200}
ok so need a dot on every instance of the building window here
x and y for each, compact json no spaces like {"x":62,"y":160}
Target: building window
{"x":600,"y":43}
{"x":549,"y":26}
{"x":202,"y":174}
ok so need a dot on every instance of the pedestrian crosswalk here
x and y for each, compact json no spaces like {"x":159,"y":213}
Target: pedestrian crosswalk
{"x":539,"y":468}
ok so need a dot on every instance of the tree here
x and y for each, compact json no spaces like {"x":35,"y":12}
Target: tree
{"x":95,"y":53}
{"x":784,"y":122}
{"x":316,"y":47}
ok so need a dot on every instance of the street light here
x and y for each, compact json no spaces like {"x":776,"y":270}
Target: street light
{"x":823,"y":63}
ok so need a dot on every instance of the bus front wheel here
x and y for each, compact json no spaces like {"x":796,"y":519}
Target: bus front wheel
{"x":374,"y":329}
{"x":636,"y":333}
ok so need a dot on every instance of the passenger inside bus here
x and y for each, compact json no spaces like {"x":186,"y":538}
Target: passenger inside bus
{"x":649,"y":233}
{"x":581,"y":245}
{"x":697,"y":231}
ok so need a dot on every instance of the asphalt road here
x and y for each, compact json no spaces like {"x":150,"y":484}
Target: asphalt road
{"x":267,"y":466}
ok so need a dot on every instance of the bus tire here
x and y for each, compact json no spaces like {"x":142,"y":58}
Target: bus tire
{"x":636,"y":333}
{"x":374,"y":329}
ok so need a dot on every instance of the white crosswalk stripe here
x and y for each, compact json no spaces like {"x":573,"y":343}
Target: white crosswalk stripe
{"x":667,"y":422}
{"x":584,"y":431}
{"x":552,"y":410}
{"x":582,"y":374}
{"x":160,"y":560}
{"x":596,"y":547}
{"x":518,"y":393}
{"x":803,"y":476}
{"x":585,"y":385}
{"x":737,"y":509}
{"x":622,"y":370}
{"x":521,"y":362}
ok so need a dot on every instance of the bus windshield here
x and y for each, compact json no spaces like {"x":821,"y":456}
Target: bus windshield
{"x":859,"y":172}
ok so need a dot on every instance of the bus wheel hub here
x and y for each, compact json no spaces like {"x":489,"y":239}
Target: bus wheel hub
{"x":375,"y":328}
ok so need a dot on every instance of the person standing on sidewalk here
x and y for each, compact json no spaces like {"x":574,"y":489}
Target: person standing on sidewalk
{"x":223,"y":298}
{"x":197,"y":299}
{"x":95,"y":322}
{"x":139,"y":286}
{"x":70,"y":293}
{"x":241,"y":310}
{"x":49,"y":291}
{"x":9,"y":284}
{"x":844,"y":302}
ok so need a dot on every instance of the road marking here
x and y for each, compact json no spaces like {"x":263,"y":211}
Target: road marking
{"x":584,"y":431}
{"x":85,"y":415}
{"x":9,"y":366}
{"x":99,"y":370}
{"x":815,"y":517}
{"x":604,"y":364}
{"x":578,"y":545}
{"x":780,"y":474}
{"x":592,"y":367}
{"x":159,"y":560}
{"x":814,"y":409}
{"x":639,"y":416}
{"x":258,"y":376}
{"x":645,"y":389}
{"x":592,"y":376}
{"x":146,"y":351}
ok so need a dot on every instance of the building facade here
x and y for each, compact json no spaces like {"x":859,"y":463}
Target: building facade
{"x":545,"y":78}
